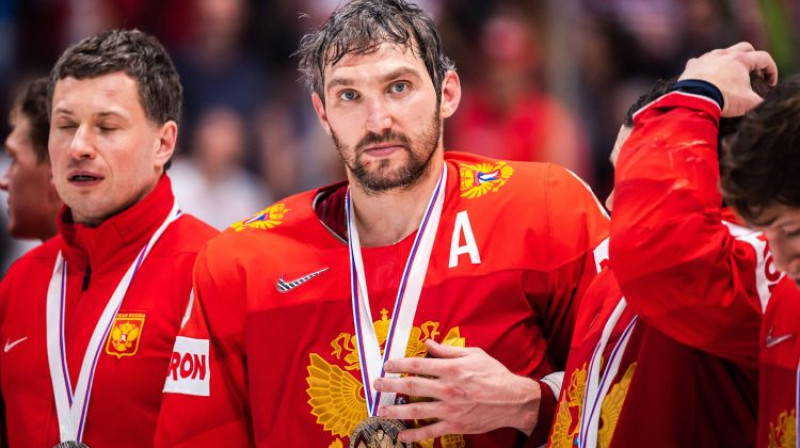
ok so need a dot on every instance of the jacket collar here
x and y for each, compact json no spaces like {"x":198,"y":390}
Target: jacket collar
{"x":119,"y":238}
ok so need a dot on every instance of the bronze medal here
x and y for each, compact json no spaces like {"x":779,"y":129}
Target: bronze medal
{"x":376,"y":432}
{"x":71,"y":444}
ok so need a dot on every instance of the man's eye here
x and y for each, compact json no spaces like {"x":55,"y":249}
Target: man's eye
{"x":399,"y":87}
{"x":348,"y":95}
{"x":791,"y":233}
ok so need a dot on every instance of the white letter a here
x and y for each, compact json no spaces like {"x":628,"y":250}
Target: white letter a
{"x":462,"y":226}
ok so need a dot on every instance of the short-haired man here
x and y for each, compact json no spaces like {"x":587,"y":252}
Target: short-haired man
{"x":88,"y":319}
{"x":309,"y":312}
{"x":667,"y":227}
{"x":635,"y":377}
{"x":33,"y":202}
{"x":761,"y":179}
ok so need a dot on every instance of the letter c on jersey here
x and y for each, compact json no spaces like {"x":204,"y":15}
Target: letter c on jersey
{"x":190,"y":368}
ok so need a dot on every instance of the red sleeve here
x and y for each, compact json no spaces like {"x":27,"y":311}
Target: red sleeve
{"x":577,"y":224}
{"x":547,"y":411}
{"x":678,"y":265}
{"x":205,"y":395}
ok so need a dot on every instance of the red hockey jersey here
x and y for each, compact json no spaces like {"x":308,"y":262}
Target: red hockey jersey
{"x":129,"y":377}
{"x":664,"y":393}
{"x":681,"y":267}
{"x":268,"y":357}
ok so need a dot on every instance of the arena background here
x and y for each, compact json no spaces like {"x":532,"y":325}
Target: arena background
{"x":543,"y":80}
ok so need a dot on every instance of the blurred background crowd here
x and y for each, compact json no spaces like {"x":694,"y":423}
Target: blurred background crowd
{"x":545,"y":80}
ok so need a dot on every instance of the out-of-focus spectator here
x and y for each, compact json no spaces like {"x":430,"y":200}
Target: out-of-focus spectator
{"x":507,"y":114}
{"x":214,"y":67}
{"x":296,"y":154}
{"x":32,"y":200}
{"x":211,"y":183}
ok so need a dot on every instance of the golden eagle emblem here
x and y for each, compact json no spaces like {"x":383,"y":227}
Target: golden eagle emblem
{"x":482,"y":178}
{"x":335,"y":392}
{"x":570,"y":405}
{"x":783,"y":432}
{"x":125,"y":334}
{"x":269,"y":218}
{"x":568,"y":415}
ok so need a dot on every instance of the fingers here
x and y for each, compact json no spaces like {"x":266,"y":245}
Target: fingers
{"x":415,"y":386}
{"x":413,"y":411}
{"x":420,"y":366}
{"x":437,"y":429}
{"x":761,"y":62}
{"x":445,"y":351}
{"x":741,"y":46}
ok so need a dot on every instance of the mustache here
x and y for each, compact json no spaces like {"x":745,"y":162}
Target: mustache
{"x":389,"y":136}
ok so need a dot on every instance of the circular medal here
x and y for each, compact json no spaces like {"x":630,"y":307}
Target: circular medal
{"x":71,"y":444}
{"x":376,"y":432}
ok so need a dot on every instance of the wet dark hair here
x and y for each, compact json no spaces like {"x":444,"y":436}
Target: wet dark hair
{"x":32,"y":104}
{"x":360,"y":27}
{"x":659,"y":89}
{"x":761,"y":165}
{"x":135,"y":53}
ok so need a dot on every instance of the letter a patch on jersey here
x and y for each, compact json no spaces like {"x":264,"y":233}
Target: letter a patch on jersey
{"x":190,"y":368}
{"x":463,"y":230}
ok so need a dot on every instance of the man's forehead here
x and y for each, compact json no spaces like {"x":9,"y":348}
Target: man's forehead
{"x":379,"y":55}
{"x":775,"y":216}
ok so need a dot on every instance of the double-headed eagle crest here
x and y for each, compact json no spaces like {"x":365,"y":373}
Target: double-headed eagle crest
{"x":269,"y":218}
{"x":783,"y":432}
{"x":567,"y":424}
{"x":482,"y":178}
{"x":123,"y":339}
{"x":336,"y":395}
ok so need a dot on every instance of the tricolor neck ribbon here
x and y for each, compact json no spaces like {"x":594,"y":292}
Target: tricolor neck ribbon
{"x":597,"y":384}
{"x":72,"y":405}
{"x":405,"y":306}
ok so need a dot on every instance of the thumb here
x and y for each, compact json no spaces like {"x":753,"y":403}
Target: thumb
{"x":438,"y":350}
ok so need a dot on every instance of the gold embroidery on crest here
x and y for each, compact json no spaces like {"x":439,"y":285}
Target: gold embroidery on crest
{"x":783,"y":432}
{"x":269,"y":218}
{"x":567,"y":421}
{"x":335,"y":392}
{"x":482,"y":178}
{"x":125,"y":334}
{"x":612,"y":406}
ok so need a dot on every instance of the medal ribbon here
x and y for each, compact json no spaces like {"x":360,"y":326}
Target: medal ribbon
{"x":597,"y":386}
{"x":405,"y":306}
{"x":72,"y":405}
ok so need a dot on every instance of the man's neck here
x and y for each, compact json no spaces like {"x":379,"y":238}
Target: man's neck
{"x":388,"y":217}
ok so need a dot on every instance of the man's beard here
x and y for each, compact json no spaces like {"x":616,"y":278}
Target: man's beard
{"x":379,"y":180}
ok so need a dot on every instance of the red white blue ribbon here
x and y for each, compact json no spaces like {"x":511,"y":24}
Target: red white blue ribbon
{"x":72,"y":405}
{"x":405,"y":306}
{"x":597,"y":385}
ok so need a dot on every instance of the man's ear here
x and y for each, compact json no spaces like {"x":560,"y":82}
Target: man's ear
{"x":319,"y":108}
{"x":168,"y":137}
{"x":451,"y":94}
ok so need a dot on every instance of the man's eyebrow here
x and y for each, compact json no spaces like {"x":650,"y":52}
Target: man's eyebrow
{"x":110,"y":113}
{"x":400,"y":73}
{"x":338,"y":82}
{"x":61,"y":110}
